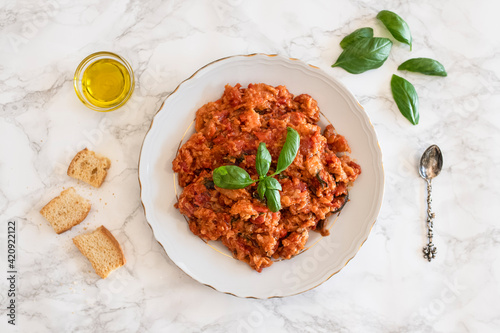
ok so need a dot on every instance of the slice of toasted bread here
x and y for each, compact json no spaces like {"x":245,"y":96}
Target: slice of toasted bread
{"x":89,"y":167}
{"x":102,"y":250}
{"x":66,"y":210}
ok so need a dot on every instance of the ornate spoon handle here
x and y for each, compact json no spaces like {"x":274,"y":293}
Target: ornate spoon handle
{"x":430,"y":250}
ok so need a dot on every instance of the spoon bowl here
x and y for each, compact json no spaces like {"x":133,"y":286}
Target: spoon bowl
{"x":431,"y":162}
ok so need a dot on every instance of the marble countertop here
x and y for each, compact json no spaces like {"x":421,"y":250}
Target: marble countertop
{"x":387,"y":287}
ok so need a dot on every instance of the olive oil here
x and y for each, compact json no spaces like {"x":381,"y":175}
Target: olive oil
{"x":106,"y":83}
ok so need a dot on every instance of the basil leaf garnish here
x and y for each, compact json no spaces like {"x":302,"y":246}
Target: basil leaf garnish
{"x":398,"y":28}
{"x":273,"y":200}
{"x":231,"y":177}
{"x":406,"y":98}
{"x":354,"y":36}
{"x":423,"y":65}
{"x":272,"y":184}
{"x":262,"y":160}
{"x":364,"y":54}
{"x":289,"y":150}
{"x":234,"y":177}
{"x":261,"y":189}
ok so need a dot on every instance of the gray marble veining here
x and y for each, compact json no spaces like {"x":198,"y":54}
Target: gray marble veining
{"x":387,"y":287}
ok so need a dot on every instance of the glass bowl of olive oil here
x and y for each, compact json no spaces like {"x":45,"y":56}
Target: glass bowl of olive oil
{"x":104,"y":81}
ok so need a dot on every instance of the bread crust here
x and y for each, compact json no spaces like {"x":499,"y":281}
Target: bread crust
{"x":117,"y":245}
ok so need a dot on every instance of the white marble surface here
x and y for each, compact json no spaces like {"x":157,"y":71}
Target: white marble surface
{"x":387,"y":287}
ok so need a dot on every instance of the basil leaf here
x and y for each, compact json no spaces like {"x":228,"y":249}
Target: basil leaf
{"x":231,"y":177}
{"x":273,"y":200}
{"x":406,"y":98}
{"x":272,"y":183}
{"x":354,"y":36}
{"x":262,"y":160}
{"x":289,"y":150}
{"x":398,"y":28}
{"x":261,"y":189}
{"x":364,"y":54}
{"x":423,"y":65}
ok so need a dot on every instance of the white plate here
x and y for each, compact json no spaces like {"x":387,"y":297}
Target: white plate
{"x":209,"y":265}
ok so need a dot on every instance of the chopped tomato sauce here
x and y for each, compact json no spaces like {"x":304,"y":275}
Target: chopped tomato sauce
{"x":228,"y":132}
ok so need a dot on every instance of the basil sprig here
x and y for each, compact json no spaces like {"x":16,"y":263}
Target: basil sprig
{"x":355,"y":35}
{"x":406,"y":98}
{"x":423,"y":65}
{"x":234,"y":177}
{"x":364,"y":54}
{"x":398,"y":28}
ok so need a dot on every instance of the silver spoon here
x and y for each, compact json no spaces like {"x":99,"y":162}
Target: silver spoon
{"x":430,"y":166}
